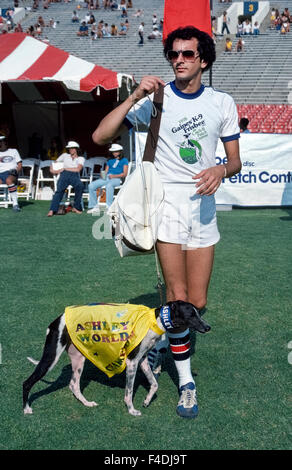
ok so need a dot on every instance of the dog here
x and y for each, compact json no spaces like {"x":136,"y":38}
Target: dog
{"x":175,"y":314}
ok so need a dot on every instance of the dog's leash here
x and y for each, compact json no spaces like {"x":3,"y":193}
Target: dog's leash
{"x":151,"y":145}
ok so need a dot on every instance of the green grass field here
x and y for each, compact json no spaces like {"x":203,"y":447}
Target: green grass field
{"x":243,"y":373}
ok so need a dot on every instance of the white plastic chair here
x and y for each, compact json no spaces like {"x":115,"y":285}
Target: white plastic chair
{"x":99,"y":164}
{"x":26,"y":178}
{"x":41,"y":179}
{"x":5,"y":199}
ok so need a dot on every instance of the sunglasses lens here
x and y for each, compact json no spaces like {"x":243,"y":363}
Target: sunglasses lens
{"x":172,"y":55}
{"x":188,"y":54}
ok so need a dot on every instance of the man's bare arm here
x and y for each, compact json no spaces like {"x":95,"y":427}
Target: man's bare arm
{"x":112,"y":125}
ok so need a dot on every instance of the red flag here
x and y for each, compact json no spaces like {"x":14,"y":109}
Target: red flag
{"x":181,"y":13}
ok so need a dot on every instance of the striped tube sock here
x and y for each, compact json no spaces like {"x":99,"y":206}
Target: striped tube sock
{"x":12,"y":189}
{"x":180,"y":347}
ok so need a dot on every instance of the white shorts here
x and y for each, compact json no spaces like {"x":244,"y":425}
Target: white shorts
{"x":187,"y":218}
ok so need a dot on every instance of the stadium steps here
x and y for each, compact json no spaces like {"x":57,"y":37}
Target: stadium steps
{"x":262,"y":73}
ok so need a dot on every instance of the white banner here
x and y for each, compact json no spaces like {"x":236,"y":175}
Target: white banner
{"x":266,"y":175}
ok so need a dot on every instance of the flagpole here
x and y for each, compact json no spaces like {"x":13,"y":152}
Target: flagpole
{"x":210,"y":70}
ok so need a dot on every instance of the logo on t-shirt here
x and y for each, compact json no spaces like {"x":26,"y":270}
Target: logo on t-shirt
{"x":6,"y":159}
{"x":190,"y":150}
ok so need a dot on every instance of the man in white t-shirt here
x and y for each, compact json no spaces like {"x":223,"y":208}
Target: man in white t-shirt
{"x":10,"y":166}
{"x":69,"y":166}
{"x":193,"y":118}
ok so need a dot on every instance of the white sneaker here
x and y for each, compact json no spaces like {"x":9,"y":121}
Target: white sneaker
{"x":94,"y":211}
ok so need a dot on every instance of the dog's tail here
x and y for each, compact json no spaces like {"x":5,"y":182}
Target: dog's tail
{"x":33,"y":361}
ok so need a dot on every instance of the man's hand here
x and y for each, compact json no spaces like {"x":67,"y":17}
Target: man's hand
{"x":148,"y":85}
{"x":209,"y":180}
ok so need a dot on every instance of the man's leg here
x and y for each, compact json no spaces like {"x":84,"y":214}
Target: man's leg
{"x":187,"y":275}
{"x":11,"y":182}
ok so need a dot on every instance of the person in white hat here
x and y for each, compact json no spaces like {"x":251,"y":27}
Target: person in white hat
{"x":10,"y":166}
{"x":68,"y":167}
{"x":116,"y":168}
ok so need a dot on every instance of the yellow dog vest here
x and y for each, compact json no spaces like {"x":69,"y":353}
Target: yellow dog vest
{"x":107,"y":333}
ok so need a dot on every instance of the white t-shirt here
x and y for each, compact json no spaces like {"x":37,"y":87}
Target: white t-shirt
{"x":190,"y":127}
{"x":9,"y":160}
{"x":69,"y":162}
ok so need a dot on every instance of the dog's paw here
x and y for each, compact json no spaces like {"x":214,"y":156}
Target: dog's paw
{"x":27,"y":410}
{"x":134,"y":412}
{"x":91,"y":404}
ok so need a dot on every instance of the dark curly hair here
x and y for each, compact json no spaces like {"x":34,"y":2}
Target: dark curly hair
{"x":206,"y":46}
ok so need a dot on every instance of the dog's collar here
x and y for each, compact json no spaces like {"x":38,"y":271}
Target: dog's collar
{"x":165,"y":317}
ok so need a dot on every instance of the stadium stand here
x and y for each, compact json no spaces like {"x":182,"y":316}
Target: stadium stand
{"x":259,"y":78}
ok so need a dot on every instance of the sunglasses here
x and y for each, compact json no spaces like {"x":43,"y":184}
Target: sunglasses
{"x":187,"y":54}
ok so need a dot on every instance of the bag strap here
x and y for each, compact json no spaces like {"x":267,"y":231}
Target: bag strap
{"x":152,"y":137}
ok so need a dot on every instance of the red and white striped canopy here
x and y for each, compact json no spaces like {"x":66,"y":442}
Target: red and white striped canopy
{"x":26,"y":59}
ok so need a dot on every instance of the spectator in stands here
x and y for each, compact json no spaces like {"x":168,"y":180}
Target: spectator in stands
{"x":286,"y":13}
{"x":141,"y":34}
{"x":114,"y":30}
{"x":41,"y":21}
{"x":72,"y":163}
{"x":256,"y":29}
{"x":239,"y":29}
{"x":285,"y":23}
{"x":278,"y":21}
{"x":113,"y":5}
{"x":138,"y":13}
{"x":228,"y":45}
{"x":247,"y":28}
{"x":100,"y":29}
{"x":18,"y":28}
{"x":30,"y":31}
{"x":123,"y":30}
{"x":243,"y":123}
{"x":106,"y":31}
{"x":87,"y":18}
{"x":93,"y":31}
{"x":155,"y":33}
{"x":38,"y":30}
{"x":83,"y":30}
{"x":10,"y":166}
{"x":129,"y":4}
{"x":154,"y":21}
{"x":239,"y":45}
{"x":116,"y":168}
{"x":225,"y":23}
{"x":75,"y":17}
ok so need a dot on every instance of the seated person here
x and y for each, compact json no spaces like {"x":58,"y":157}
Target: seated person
{"x":123,"y":30}
{"x":116,"y":168}
{"x":10,"y":166}
{"x":83,"y":30}
{"x":155,"y":33}
{"x":75,"y":17}
{"x":69,"y":175}
{"x":228,"y":45}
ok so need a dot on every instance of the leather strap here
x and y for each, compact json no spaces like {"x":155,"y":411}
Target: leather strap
{"x":152,"y":137}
